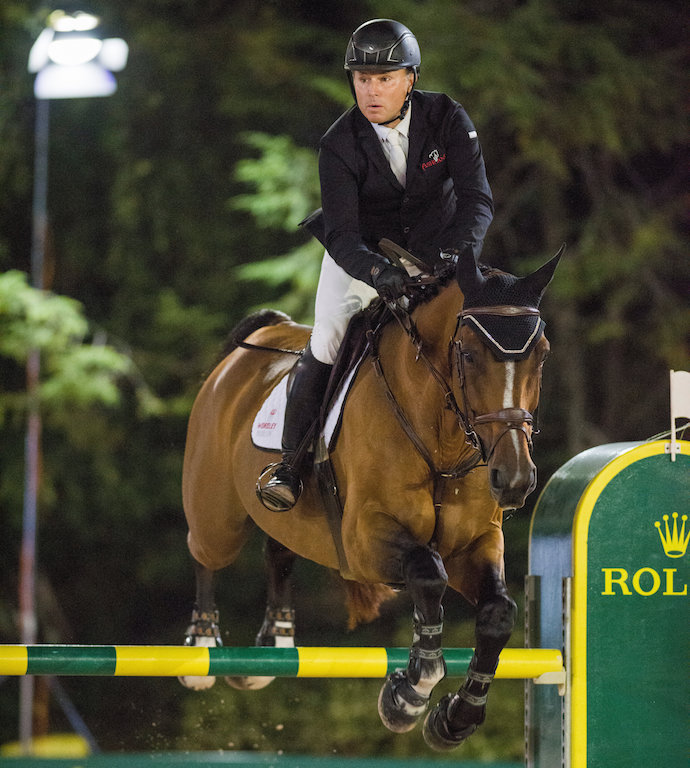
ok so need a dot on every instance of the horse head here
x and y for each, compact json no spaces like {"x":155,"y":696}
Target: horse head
{"x":500,"y":349}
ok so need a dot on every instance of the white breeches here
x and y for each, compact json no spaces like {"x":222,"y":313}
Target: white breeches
{"x":338,"y":297}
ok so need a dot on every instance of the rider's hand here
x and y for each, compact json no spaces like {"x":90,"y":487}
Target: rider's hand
{"x":390,"y":282}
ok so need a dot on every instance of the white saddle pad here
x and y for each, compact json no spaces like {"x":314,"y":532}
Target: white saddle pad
{"x":267,"y":429}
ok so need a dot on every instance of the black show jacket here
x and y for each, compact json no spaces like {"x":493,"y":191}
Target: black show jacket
{"x":446,"y":203}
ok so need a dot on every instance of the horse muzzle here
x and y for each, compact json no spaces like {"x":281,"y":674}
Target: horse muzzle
{"x":512,"y":473}
{"x":510,"y":490}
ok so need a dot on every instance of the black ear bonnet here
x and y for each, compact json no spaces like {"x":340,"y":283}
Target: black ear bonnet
{"x":510,"y":337}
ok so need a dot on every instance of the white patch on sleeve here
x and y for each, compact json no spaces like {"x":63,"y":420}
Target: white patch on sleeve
{"x":472,"y":134}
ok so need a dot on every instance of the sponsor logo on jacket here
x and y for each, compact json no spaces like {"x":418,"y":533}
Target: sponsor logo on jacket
{"x":435,"y":157}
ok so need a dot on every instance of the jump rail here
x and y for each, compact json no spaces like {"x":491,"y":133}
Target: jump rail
{"x":542,"y":665}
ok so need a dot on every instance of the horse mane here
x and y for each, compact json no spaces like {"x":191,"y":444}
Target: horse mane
{"x":445,"y":274}
{"x":419,"y":295}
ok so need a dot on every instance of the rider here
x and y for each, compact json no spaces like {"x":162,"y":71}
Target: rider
{"x":437,"y":199}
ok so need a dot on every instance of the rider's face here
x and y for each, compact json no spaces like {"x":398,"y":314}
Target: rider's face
{"x":380,"y":95}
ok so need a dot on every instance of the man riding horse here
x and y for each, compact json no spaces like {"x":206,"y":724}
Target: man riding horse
{"x":400,"y":164}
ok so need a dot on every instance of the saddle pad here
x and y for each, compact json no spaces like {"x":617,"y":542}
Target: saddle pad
{"x":267,"y":429}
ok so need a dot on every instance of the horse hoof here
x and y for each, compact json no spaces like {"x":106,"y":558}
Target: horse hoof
{"x":400,"y":706}
{"x":197,"y":683}
{"x":248,"y":683}
{"x":437,"y":730}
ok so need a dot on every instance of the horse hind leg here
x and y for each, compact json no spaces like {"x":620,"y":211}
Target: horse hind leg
{"x":278,"y":628}
{"x":405,"y":694}
{"x":457,"y":716}
{"x":204,"y":628}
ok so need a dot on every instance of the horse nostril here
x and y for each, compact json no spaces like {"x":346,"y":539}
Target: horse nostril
{"x":496,"y":479}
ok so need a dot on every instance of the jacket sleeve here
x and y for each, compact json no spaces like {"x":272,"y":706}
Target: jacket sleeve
{"x":340,"y":203}
{"x":466,"y":229}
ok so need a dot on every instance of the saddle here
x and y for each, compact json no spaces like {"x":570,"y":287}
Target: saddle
{"x":353,"y":350}
{"x":267,"y":427}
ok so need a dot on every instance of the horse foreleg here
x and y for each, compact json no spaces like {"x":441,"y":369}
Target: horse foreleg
{"x":405,"y":694}
{"x":458,"y":715}
{"x":204,"y":629}
{"x":278,"y":628}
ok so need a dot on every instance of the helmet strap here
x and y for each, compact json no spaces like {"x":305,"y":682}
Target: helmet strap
{"x":403,"y":109}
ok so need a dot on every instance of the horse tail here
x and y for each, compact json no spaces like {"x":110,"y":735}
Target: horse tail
{"x":248,"y":325}
{"x":364,"y":601}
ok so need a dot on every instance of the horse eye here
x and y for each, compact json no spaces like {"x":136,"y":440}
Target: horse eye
{"x":467,"y":356}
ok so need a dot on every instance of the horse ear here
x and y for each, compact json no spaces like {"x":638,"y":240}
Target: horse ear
{"x":537,"y":282}
{"x":469,"y":278}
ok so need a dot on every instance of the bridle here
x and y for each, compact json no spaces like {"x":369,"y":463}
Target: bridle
{"x":511,"y":418}
{"x":468,"y":419}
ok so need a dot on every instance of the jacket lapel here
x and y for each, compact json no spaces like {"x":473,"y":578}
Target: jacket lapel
{"x":417,"y":137}
{"x":371,"y":145}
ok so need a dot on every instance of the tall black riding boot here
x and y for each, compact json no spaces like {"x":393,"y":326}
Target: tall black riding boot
{"x":306,"y":389}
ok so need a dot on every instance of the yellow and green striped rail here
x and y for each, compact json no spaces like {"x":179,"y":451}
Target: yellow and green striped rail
{"x":171,"y":661}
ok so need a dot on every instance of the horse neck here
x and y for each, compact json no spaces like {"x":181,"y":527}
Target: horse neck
{"x":436,"y":322}
{"x":417,"y":389}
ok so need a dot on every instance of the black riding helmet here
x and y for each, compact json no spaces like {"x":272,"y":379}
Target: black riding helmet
{"x":383,"y":45}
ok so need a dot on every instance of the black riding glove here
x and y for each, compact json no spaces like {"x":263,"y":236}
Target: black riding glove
{"x":390,"y":282}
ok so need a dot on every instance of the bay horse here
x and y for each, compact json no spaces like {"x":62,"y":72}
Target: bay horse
{"x":435,"y":443}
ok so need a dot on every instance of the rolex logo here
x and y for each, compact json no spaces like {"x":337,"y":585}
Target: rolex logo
{"x":647,"y":581}
{"x":674,"y":541}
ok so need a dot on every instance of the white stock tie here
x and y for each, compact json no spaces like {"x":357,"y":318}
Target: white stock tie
{"x":397,"y":159}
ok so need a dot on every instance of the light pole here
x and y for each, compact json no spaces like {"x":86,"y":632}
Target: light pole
{"x":70,"y":60}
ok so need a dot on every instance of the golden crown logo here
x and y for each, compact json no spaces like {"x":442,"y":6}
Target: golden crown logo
{"x":674,"y":542}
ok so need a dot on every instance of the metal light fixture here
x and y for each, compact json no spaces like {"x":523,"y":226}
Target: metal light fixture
{"x":72,"y":60}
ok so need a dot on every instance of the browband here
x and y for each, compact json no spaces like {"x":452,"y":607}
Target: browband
{"x":501,"y":309}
